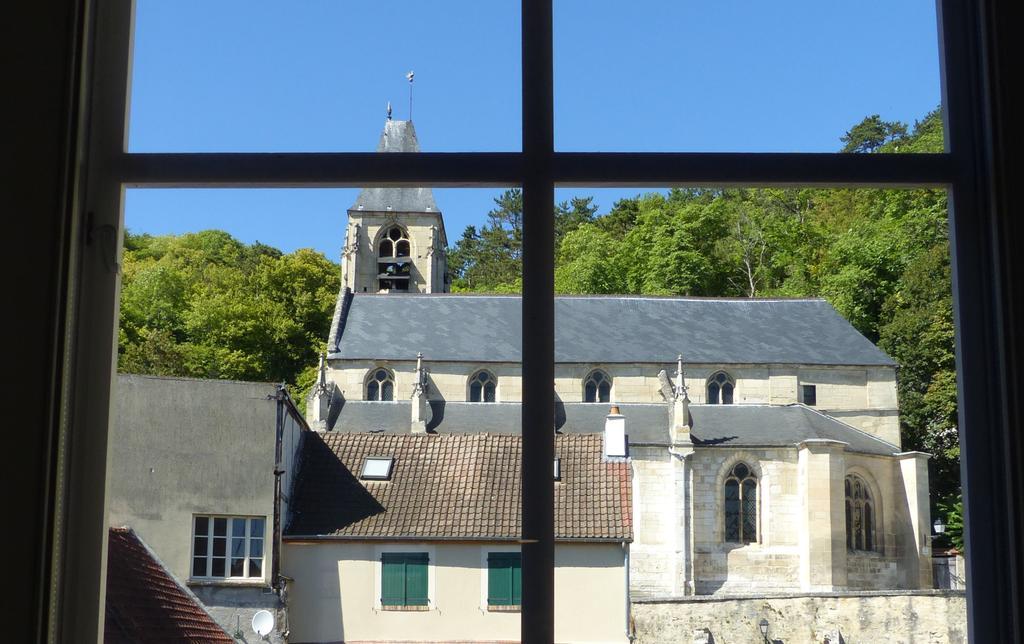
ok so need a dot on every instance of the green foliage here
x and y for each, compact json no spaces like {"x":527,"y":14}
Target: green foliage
{"x":952,"y":512}
{"x":206,"y":305}
{"x":871,"y":134}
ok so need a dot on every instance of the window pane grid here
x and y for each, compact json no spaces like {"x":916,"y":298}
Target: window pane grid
{"x":227,"y":547}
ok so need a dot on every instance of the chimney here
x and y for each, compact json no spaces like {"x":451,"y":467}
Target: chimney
{"x":614,"y":434}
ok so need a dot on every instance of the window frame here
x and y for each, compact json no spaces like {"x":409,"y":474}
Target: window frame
{"x":597,"y":386}
{"x":407,"y":558}
{"x":412,"y":547}
{"x":371,"y":378}
{"x":227,"y":579}
{"x":975,"y":42}
{"x":491,"y":379}
{"x":750,"y":476}
{"x":511,"y":556}
{"x":720,"y":395}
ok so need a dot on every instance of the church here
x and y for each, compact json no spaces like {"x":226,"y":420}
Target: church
{"x":761,"y":436}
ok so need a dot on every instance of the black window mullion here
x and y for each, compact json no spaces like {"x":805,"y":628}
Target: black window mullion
{"x":538,"y":321}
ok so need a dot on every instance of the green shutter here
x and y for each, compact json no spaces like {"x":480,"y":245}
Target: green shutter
{"x":392,"y":586}
{"x":416,"y":579}
{"x":517,"y":580}
{"x":504,"y":579}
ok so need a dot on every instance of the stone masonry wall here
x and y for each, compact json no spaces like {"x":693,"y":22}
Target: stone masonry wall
{"x":918,"y":617}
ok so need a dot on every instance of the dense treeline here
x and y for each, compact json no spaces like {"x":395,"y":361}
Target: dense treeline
{"x":881,"y":257}
{"x":208,"y":306}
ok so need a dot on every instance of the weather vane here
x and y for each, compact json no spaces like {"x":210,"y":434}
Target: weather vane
{"x":409,"y":77}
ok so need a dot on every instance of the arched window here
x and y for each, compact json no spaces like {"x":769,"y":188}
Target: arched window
{"x":860,"y":515}
{"x":380,"y":385}
{"x":394,"y":243}
{"x":741,"y":505}
{"x":482,"y":386}
{"x":394,"y":266}
{"x":597,"y":387}
{"x":720,"y":388}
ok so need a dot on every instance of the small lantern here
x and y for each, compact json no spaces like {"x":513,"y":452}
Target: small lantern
{"x":939,"y":526}
{"x":763,"y":625}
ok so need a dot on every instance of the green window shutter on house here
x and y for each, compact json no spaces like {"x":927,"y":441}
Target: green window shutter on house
{"x":403,"y":579}
{"x":504,"y":579}
{"x":416,"y":579}
{"x":392,"y":587}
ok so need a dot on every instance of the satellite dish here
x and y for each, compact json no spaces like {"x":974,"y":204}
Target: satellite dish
{"x":263,"y":623}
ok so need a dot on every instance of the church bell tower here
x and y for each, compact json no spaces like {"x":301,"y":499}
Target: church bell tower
{"x":395,"y":240}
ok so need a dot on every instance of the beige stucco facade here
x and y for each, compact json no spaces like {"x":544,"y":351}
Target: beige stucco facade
{"x":863,"y":397}
{"x":335,"y":595}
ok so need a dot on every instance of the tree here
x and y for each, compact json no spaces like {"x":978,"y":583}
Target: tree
{"x":871,"y":134}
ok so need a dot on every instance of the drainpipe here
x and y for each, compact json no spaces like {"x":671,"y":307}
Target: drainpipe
{"x":275,"y":571}
{"x":629,"y":607}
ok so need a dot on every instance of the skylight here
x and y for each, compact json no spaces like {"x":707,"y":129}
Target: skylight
{"x":377,"y":468}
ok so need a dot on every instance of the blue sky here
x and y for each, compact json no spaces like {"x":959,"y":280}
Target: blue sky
{"x":680,"y":75}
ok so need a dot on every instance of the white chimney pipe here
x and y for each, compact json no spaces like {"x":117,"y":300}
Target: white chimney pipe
{"x":615,"y":433}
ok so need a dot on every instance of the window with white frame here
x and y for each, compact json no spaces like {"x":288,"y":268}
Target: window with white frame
{"x":226,"y":547}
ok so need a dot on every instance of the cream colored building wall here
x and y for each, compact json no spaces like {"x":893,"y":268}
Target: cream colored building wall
{"x":654,"y":558}
{"x":335,"y":595}
{"x":863,"y":398}
{"x":427,"y":241}
{"x":772,"y":562}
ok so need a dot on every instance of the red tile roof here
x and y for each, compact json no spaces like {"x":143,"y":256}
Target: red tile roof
{"x":453,"y":487}
{"x":145,"y":603}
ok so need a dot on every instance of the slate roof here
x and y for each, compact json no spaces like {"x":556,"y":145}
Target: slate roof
{"x":589,"y":329}
{"x":398,"y":136}
{"x":144,"y":603}
{"x":774,"y":425}
{"x":740,"y":425}
{"x":453,"y":487}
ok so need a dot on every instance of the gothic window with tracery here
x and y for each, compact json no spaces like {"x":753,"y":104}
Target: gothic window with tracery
{"x":720,"y":388}
{"x":482,"y":387}
{"x":860,"y":515}
{"x":380,"y":385}
{"x":394,"y":266}
{"x":597,"y":387}
{"x":741,"y":505}
{"x":395,"y":243}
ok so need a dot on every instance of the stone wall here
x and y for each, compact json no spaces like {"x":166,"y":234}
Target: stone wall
{"x":901,"y":617}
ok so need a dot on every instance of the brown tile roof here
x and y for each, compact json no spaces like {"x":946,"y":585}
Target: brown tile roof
{"x":453,"y":487}
{"x":145,"y":603}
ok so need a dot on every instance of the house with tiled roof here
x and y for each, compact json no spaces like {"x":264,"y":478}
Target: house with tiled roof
{"x":763,"y":434}
{"x":145,"y":603}
{"x":415,"y":537}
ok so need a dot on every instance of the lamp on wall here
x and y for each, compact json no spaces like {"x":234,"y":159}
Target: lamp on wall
{"x":939,"y":526}
{"x":763,"y":625}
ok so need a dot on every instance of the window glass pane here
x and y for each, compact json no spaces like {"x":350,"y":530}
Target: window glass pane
{"x":590,"y":393}
{"x":237,"y":76}
{"x":237,"y":567}
{"x":256,"y":548}
{"x":489,"y":392}
{"x":727,"y":394}
{"x":474,"y":392}
{"x":606,"y":391}
{"x":238,"y":527}
{"x":220,"y":527}
{"x":238,"y":547}
{"x":749,"y":511}
{"x":731,"y":76}
{"x":387,"y":391}
{"x":199,"y":546}
{"x":713,"y":394}
{"x":732,"y":511}
{"x":219,"y":546}
{"x":202,"y":525}
{"x":198,"y":566}
{"x":256,"y":527}
{"x":255,"y":567}
{"x":217,"y":567}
